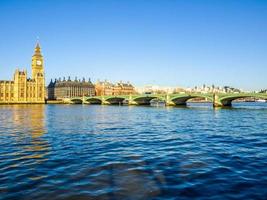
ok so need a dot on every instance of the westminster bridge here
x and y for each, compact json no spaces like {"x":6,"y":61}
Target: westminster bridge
{"x":217,"y":99}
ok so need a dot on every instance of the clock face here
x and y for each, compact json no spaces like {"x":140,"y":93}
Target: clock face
{"x":38,"y":62}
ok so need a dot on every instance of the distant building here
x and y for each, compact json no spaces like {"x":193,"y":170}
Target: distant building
{"x":60,"y":89}
{"x":26,"y":90}
{"x":178,"y":90}
{"x":105,"y":88}
{"x":123,"y":88}
{"x":213,"y":89}
{"x":155,"y":89}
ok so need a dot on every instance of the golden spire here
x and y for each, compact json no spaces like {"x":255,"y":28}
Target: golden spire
{"x":37,"y":50}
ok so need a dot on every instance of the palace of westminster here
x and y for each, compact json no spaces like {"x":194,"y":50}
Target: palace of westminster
{"x":33,"y":90}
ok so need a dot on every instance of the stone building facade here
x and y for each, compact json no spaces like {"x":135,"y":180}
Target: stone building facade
{"x":60,"y":89}
{"x":22,"y":89}
{"x":106,"y":88}
{"x":123,"y":88}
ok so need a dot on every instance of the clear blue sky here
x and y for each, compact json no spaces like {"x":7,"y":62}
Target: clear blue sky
{"x":164,"y":42}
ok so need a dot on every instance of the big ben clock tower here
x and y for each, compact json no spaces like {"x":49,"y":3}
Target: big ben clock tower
{"x":37,"y":63}
{"x":38,"y":75}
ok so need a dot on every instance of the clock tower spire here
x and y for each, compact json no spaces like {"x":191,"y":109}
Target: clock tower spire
{"x":38,"y":74}
{"x":37,"y":63}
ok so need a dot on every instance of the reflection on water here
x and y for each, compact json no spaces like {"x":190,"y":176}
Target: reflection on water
{"x":22,"y":128}
{"x":121,"y":152}
{"x":30,"y":119}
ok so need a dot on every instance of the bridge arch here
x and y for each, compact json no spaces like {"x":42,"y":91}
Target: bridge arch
{"x":115,"y":100}
{"x":181,"y":100}
{"x":94,"y":100}
{"x":144,"y":100}
{"x":227,"y":100}
{"x":76,"y":101}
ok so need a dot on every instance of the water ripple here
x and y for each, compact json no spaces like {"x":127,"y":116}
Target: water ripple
{"x":108,"y":152}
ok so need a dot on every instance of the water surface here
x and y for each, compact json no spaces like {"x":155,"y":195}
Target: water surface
{"x":121,"y":152}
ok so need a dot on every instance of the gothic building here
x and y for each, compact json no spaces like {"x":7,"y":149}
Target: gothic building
{"x":22,"y":89}
{"x":60,"y":89}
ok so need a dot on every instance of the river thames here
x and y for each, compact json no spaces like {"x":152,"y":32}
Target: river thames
{"x":132,"y":152}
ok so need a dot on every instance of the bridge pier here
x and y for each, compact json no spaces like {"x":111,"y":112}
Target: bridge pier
{"x":103,"y":101}
{"x":170,"y":103}
{"x":216,"y":102}
{"x":131,"y":101}
{"x":220,"y":105}
{"x":84,"y":100}
{"x":217,"y":105}
{"x":66,"y":100}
